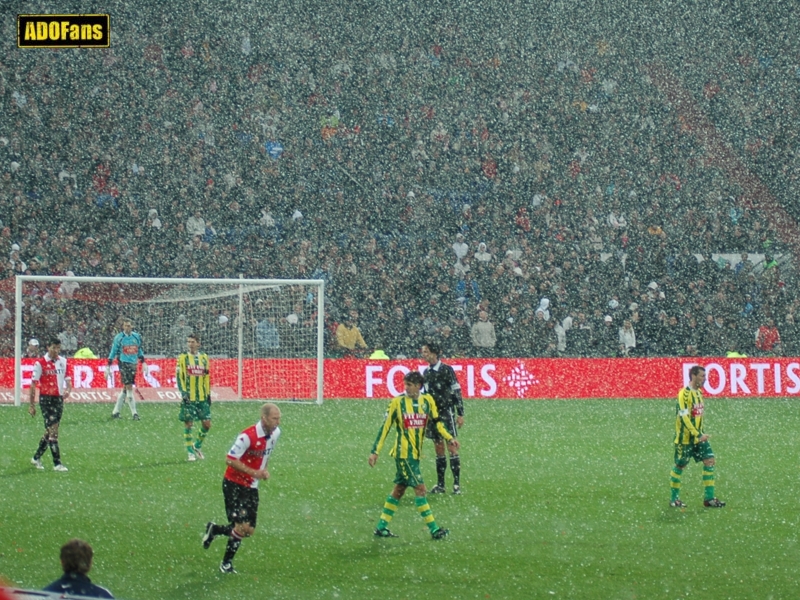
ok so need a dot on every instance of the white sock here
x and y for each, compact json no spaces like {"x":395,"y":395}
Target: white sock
{"x":132,"y":403}
{"x":120,"y":402}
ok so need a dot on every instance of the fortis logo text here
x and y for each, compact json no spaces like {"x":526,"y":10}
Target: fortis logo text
{"x":63,"y":31}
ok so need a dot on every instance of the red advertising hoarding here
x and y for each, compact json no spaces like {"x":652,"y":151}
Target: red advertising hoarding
{"x":560,"y":378}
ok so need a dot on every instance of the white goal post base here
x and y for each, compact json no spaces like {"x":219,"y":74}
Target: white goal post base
{"x":264,"y":337}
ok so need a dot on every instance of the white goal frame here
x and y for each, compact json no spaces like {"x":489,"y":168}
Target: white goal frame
{"x":241,"y":282}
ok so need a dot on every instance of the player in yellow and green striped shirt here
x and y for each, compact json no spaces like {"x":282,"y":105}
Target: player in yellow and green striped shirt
{"x":407,"y":416}
{"x":194,"y":383}
{"x":691,"y":442}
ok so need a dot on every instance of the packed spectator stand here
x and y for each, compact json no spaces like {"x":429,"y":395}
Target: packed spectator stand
{"x":430,"y":174}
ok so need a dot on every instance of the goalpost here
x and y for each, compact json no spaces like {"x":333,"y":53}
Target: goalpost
{"x":264,"y":337}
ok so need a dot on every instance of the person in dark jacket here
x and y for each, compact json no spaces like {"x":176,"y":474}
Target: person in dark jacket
{"x":441,"y":383}
{"x":76,"y":561}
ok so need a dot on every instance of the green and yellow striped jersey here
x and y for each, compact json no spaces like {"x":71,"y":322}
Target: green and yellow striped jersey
{"x":192,"y":375}
{"x":689,"y":416}
{"x":408,"y":417}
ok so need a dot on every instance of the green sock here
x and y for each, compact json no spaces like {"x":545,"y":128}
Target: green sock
{"x":200,"y":437}
{"x":425,"y":512}
{"x":708,"y":482}
{"x":187,"y":439}
{"x":389,"y":507}
{"x":675,"y":483}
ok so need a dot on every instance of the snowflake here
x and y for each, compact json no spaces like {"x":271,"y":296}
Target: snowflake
{"x":520,"y":379}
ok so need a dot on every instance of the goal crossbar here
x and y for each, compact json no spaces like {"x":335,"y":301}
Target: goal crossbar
{"x":242,"y":285}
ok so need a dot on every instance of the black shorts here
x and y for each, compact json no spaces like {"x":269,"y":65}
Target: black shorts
{"x":52,"y":408}
{"x":448,"y":417}
{"x":128,"y":372}
{"x":241,"y":503}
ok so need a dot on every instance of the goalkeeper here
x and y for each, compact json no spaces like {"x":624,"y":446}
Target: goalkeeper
{"x":193,"y":379}
{"x":127,"y":349}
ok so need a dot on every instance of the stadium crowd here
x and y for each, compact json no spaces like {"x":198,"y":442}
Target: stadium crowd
{"x":507,"y":199}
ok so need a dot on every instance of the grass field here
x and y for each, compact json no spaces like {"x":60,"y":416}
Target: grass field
{"x":563,"y":499}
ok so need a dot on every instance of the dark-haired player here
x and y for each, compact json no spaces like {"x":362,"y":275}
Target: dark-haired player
{"x":50,"y":372}
{"x":441,"y":383}
{"x":193,"y":379}
{"x":408,"y":415}
{"x":691,"y":442}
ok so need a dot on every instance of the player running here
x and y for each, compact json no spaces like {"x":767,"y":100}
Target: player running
{"x":247,"y":464}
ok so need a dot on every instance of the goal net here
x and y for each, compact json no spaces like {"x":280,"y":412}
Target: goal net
{"x":264,"y":337}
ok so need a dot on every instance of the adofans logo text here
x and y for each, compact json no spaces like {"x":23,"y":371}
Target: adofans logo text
{"x":63,"y":31}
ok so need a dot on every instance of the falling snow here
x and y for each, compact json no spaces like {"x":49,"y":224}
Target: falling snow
{"x":513,"y":180}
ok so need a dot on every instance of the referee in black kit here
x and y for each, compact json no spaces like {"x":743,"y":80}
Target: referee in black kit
{"x":441,"y":383}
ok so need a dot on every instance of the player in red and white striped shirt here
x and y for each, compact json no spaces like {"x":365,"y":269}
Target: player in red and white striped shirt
{"x":247,"y":465}
{"x":50,"y":372}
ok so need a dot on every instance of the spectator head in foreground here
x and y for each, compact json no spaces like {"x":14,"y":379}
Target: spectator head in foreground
{"x":76,"y":562}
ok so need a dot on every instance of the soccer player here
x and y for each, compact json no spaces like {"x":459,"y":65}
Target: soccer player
{"x":192,"y":375}
{"x":247,"y":464}
{"x":127,"y":349}
{"x":441,"y":383}
{"x":691,"y":442}
{"x":50,"y":372}
{"x":408,"y":415}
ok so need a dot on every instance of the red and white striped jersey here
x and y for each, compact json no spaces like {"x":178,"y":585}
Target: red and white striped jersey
{"x":253,"y":448}
{"x":51,"y":375}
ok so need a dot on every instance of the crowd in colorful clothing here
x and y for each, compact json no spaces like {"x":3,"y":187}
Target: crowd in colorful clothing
{"x":509,"y":193}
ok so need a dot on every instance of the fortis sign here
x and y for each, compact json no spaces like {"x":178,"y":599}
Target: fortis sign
{"x":488,"y":378}
{"x":63,"y":31}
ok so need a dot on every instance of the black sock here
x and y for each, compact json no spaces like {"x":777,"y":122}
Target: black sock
{"x":221,"y":530}
{"x":55,"y":451}
{"x":441,"y":468}
{"x":455,"y":466}
{"x":42,"y":448}
{"x":233,"y":545}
